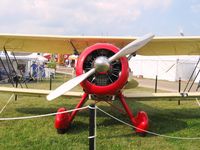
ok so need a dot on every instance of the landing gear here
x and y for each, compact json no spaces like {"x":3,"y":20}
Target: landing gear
{"x":141,"y":121}
{"x":63,"y":121}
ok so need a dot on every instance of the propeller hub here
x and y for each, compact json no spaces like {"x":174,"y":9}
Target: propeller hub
{"x":101,"y":64}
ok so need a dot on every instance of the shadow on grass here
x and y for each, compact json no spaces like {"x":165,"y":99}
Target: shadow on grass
{"x":36,"y":110}
{"x":75,"y":127}
{"x":78,"y":126}
{"x":162,"y":121}
{"x":41,"y":110}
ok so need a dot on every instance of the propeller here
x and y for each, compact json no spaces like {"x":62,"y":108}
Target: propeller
{"x":132,"y":47}
{"x":69,"y":85}
{"x":128,"y":49}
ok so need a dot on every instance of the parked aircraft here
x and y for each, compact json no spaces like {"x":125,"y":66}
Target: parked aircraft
{"x":102,"y":68}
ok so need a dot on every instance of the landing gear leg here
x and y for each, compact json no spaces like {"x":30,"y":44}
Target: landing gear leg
{"x":140,"y":121}
{"x":63,"y":121}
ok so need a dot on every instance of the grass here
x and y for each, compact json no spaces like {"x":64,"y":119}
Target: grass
{"x":166,"y":117}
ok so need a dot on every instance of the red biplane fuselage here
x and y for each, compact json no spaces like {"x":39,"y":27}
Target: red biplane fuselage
{"x":102,"y":85}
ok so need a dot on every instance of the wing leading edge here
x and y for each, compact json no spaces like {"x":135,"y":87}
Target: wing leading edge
{"x":35,"y":92}
{"x":136,"y":96}
{"x":187,"y":45}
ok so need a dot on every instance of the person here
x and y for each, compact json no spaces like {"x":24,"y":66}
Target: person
{"x":28,"y":78}
{"x":35,"y":70}
{"x":67,"y":62}
{"x":41,"y":71}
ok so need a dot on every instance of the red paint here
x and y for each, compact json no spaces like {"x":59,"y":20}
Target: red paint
{"x":79,"y":105}
{"x":110,"y":89}
{"x":127,"y":109}
{"x":141,"y":121}
{"x":62,"y":120}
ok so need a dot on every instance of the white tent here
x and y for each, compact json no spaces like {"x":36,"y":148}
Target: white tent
{"x":24,"y":62}
{"x":3,"y":56}
{"x":33,"y":57}
{"x":169,"y":68}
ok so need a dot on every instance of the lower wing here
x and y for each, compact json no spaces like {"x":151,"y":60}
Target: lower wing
{"x":137,"y":96}
{"x":35,"y":92}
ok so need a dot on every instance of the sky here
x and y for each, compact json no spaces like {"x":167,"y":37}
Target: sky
{"x":100,"y":17}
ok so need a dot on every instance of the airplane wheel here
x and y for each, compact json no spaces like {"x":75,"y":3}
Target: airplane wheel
{"x":142,"y":123}
{"x":62,"y":122}
{"x":61,"y":131}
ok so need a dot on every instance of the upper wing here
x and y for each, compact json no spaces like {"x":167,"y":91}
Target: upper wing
{"x":172,"y":46}
{"x":54,"y":44}
{"x":62,"y":44}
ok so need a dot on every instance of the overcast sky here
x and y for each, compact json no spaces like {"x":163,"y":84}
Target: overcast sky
{"x":100,"y":17}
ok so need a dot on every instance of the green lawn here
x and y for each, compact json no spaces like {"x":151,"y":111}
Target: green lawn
{"x":166,"y":117}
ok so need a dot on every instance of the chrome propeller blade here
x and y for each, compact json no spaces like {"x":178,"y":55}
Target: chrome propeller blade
{"x":69,"y":85}
{"x":132,"y":47}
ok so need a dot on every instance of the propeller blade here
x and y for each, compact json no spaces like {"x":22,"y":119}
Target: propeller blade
{"x":69,"y":85}
{"x":132,"y":47}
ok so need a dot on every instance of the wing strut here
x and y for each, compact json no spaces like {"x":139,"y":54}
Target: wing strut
{"x":19,"y":69}
{"x":74,"y":48}
{"x":191,"y":77}
{"x":9,"y":77}
{"x":12,"y":70}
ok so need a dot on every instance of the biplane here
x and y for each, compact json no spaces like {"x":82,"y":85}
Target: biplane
{"x":102,"y":68}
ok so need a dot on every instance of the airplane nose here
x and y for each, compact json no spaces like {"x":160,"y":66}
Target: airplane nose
{"x":101,"y":64}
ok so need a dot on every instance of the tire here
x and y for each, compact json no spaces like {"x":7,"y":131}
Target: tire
{"x":61,"y":131}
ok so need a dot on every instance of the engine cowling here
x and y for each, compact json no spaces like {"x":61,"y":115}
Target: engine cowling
{"x":102,"y":83}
